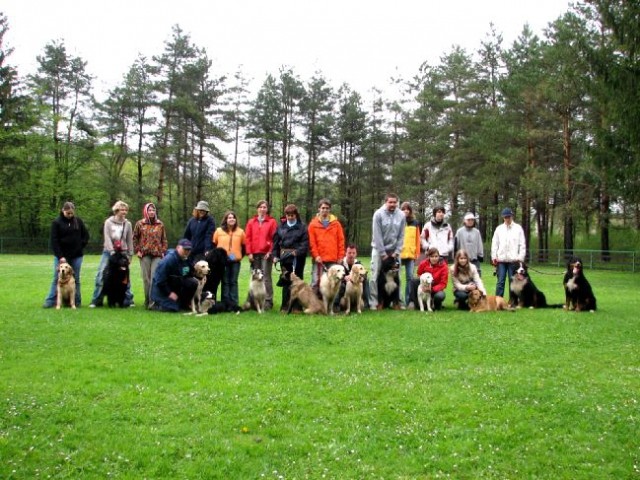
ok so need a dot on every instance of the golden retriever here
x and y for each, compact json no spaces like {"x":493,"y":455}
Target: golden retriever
{"x":486,"y":303}
{"x":330,"y":286}
{"x":301,"y":291}
{"x":353,"y":289}
{"x":66,"y":286}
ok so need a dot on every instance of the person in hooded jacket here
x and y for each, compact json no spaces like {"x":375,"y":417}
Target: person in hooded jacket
{"x":199,"y":230}
{"x":149,"y":244}
{"x":326,"y":240}
{"x":69,"y":237}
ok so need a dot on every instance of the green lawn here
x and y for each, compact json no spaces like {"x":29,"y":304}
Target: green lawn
{"x":127,"y":393}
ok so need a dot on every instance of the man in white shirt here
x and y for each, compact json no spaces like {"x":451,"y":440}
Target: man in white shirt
{"x":508,"y":247}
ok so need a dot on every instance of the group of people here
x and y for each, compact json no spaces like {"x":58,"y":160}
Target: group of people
{"x":169,"y":285}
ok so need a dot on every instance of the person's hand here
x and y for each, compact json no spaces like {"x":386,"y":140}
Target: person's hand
{"x":173,"y":296}
{"x":494,"y":262}
{"x":318,"y":259}
{"x":250,"y":257}
{"x":276,"y":259}
{"x":139,"y":254}
{"x":62,"y":260}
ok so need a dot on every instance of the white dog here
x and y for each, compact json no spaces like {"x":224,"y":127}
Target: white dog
{"x":257,"y":289}
{"x":353,"y":289}
{"x":424,"y":292}
{"x":330,"y":286}
{"x":200,"y":272}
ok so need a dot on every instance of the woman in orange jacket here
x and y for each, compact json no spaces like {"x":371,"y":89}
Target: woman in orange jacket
{"x":230,"y":237}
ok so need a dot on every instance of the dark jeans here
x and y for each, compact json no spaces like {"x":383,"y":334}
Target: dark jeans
{"x":184,"y":287}
{"x":504,"y":270}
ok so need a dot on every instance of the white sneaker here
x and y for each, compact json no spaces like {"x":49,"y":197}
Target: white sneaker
{"x":92,"y":305}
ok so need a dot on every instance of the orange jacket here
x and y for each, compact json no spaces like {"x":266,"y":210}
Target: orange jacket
{"x":326,"y":242}
{"x":232,"y":242}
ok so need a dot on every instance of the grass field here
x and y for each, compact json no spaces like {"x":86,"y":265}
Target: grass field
{"x":131,"y":394}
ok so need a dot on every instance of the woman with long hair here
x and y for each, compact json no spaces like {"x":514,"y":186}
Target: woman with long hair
{"x":231,"y":238}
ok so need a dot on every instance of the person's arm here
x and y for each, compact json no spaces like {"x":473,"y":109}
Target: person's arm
{"x":208,"y":238}
{"x":303,"y":246}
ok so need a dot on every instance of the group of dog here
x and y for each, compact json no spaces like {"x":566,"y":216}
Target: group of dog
{"x":579,"y":295}
{"x":209,"y":271}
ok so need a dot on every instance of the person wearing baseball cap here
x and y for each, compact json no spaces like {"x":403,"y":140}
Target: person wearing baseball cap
{"x":200,"y":229}
{"x":468,"y":238}
{"x":173,"y":285}
{"x":508,"y":247}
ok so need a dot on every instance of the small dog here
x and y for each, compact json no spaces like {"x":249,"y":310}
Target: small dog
{"x":200,"y":272}
{"x":481,"y":303}
{"x":578,"y":292}
{"x":257,"y":291}
{"x":330,"y":286}
{"x":301,"y":291}
{"x":207,"y":301}
{"x":525,"y":294}
{"x":389,"y":284}
{"x":353,"y":289}
{"x":66,"y":286}
{"x":425,"y":294}
{"x":116,"y":279}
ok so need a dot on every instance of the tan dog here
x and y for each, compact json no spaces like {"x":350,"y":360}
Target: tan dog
{"x":303,"y":292}
{"x":353,"y":289}
{"x":200,"y":272}
{"x":481,"y":303}
{"x":330,"y":286}
{"x":66,"y":287}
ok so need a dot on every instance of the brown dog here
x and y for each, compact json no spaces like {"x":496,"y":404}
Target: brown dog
{"x":481,"y":303}
{"x":66,"y":289}
{"x":305,"y":295}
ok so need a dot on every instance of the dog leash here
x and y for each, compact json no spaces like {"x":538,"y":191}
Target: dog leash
{"x":545,"y":273}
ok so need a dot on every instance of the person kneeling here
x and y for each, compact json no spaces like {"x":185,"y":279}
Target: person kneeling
{"x":173,"y":286}
{"x":437,"y":267}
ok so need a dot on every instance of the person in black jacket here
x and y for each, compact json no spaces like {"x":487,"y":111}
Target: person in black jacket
{"x":199,"y":230}
{"x":290,"y":247}
{"x":69,"y":237}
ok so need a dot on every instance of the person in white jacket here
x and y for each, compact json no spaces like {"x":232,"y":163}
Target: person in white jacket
{"x":508,"y":247}
{"x":439,"y":234}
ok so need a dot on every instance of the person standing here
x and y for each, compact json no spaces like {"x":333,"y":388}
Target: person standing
{"x":199,"y":230}
{"x":468,"y":238}
{"x":118,"y":236}
{"x":326,"y":240}
{"x":230,"y":237}
{"x":438,"y":233}
{"x":173,"y":287}
{"x":290,"y":247}
{"x":259,"y":233}
{"x":150,"y":245}
{"x":410,"y":249}
{"x":68,"y":238}
{"x":387,"y":238}
{"x":508,"y":247}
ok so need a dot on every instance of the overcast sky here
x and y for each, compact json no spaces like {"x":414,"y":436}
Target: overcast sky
{"x":360,"y":42}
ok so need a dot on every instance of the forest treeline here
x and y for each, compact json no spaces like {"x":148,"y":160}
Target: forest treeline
{"x":548,"y":126}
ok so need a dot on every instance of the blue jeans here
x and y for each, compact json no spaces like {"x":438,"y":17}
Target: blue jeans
{"x":98,"y":297}
{"x":409,"y":264}
{"x":230,"y":284}
{"x":504,"y":270}
{"x":76,"y":264}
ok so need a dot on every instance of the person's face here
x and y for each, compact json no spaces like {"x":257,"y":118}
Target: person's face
{"x":201,"y":213}
{"x":68,"y":213}
{"x":122,"y":213}
{"x":351,"y":255}
{"x":469,"y":222}
{"x":151,"y":211}
{"x":291,"y":217}
{"x":231,"y":220}
{"x":434,"y":258}
{"x":324,"y":210}
{"x":508,"y":220}
{"x":463,"y":260}
{"x":183,"y":252}
{"x":391,"y":204}
{"x":406,"y":212}
{"x":439,"y":216}
{"x":262,"y":210}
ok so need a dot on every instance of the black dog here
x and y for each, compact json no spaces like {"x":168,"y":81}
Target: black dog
{"x":578,"y":293}
{"x":524,"y":293}
{"x":115,"y":279}
{"x":389,"y":284}
{"x":217,"y":259}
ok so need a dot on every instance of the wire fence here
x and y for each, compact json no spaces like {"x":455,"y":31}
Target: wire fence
{"x":616,"y":260}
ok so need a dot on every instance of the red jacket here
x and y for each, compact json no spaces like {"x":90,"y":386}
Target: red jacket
{"x":259,"y":236}
{"x":326,"y":242}
{"x":440,"y":273}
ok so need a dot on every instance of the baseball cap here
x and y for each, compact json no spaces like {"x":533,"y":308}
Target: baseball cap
{"x":507,"y":212}
{"x":184,"y":243}
{"x":469,"y":216}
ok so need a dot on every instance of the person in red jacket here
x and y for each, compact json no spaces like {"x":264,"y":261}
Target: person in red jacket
{"x":436,"y":266}
{"x":258,"y":244}
{"x":326,"y":240}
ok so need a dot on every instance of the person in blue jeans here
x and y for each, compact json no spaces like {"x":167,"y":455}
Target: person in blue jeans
{"x":173,"y":286}
{"x":68,"y":238}
{"x":508,"y":247}
{"x":118,"y":236}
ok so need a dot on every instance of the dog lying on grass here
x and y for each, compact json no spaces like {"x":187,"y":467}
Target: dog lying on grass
{"x":490,"y":303}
